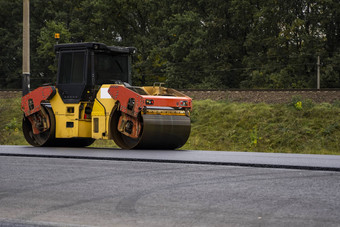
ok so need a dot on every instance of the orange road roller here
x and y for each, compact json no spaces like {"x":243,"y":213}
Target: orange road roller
{"x":93,"y":99}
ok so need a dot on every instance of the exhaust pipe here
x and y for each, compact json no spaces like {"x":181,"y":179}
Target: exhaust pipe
{"x":26,"y":49}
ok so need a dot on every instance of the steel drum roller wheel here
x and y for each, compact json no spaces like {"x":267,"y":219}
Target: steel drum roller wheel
{"x":120,"y":139}
{"x":47,"y":138}
{"x":166,"y":132}
{"x":43,"y":139}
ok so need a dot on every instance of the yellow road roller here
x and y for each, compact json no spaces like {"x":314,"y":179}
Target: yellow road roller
{"x":93,"y":99}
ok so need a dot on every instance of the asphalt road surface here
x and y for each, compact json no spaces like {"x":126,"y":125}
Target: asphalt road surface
{"x":37,"y":191}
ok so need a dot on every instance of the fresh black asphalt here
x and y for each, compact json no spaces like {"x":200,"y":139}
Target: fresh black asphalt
{"x":253,"y":159}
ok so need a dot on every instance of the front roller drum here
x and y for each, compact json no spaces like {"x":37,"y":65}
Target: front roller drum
{"x":164,"y":132}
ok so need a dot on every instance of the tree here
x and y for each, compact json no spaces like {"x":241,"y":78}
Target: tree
{"x":10,"y":43}
{"x":188,"y":44}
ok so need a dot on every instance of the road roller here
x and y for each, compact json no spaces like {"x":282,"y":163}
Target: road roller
{"x":93,"y":98}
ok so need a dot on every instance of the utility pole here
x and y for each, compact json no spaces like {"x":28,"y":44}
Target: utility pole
{"x":26,"y":48}
{"x":318,"y":74}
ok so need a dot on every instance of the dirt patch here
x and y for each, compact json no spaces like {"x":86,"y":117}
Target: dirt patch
{"x":9,"y":94}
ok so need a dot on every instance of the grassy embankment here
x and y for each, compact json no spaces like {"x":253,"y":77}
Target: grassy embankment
{"x":216,"y":125}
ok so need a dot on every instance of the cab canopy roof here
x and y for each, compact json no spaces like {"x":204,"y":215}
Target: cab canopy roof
{"x":93,"y":46}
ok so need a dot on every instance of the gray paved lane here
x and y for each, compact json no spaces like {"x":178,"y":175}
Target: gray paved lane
{"x":75,"y":192}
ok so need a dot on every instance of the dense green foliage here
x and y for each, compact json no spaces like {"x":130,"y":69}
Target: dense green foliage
{"x":191,"y":44}
{"x":298,"y":127}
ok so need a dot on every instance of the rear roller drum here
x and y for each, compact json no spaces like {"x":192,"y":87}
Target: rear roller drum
{"x":47,"y":138}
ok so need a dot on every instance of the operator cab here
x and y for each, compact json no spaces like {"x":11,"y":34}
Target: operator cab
{"x":85,"y":66}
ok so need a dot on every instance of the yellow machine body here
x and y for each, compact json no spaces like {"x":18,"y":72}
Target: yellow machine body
{"x":72,"y":121}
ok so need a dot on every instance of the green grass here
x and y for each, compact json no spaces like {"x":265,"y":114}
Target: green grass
{"x":221,"y":125}
{"x":10,"y":122}
{"x":286,"y":128}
